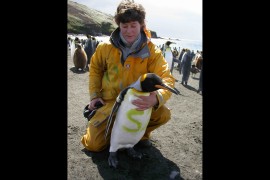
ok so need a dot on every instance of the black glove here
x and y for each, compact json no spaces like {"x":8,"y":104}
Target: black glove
{"x":87,"y":113}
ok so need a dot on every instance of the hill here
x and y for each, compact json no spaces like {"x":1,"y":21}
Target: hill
{"x":86,"y":20}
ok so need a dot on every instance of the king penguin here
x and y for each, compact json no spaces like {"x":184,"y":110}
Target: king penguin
{"x":79,"y":58}
{"x":168,"y":55}
{"x":130,"y":124}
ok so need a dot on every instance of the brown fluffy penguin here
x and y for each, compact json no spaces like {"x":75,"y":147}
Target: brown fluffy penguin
{"x":79,"y":58}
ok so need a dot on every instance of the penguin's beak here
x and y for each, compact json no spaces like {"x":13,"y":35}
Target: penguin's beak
{"x":164,"y":86}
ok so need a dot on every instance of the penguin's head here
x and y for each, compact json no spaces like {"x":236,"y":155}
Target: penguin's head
{"x":152,"y":82}
{"x":168,"y":43}
{"x":79,"y":46}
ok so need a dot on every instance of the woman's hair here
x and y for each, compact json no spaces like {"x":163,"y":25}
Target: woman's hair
{"x":128,"y":11}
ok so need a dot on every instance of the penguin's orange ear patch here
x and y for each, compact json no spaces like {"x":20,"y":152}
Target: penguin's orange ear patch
{"x":160,"y":87}
{"x":143,"y":77}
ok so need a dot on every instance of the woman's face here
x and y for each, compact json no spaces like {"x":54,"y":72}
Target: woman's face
{"x":130,"y":31}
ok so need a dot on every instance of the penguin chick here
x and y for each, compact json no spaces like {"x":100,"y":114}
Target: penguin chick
{"x":79,"y":58}
{"x":130,"y":124}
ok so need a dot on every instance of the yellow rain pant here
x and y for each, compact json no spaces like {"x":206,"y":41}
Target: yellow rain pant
{"x":94,"y":139}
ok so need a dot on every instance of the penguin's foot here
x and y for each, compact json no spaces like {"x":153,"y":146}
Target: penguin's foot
{"x":112,"y":160}
{"x":134,"y":154}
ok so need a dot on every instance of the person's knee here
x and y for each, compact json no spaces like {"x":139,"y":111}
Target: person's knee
{"x":165,"y":115}
{"x":162,"y":115}
{"x":94,"y":145}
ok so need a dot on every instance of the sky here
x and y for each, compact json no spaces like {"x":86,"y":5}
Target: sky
{"x":180,"y":19}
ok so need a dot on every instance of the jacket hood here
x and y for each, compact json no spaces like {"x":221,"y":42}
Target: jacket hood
{"x":141,"y":50}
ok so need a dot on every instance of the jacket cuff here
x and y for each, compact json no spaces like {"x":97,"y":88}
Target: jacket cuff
{"x":95,"y":95}
{"x":160,"y":100}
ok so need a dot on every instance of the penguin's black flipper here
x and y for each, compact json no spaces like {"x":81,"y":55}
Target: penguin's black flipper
{"x":115,"y":108}
{"x":113,"y":112}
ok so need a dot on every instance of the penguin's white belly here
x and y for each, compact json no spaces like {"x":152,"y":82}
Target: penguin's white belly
{"x":169,"y":57}
{"x":72,"y":49}
{"x":130,"y":124}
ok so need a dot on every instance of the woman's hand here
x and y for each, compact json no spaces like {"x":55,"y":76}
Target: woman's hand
{"x":93,"y":103}
{"x":145,"y":102}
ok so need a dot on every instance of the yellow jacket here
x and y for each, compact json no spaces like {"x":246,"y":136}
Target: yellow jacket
{"x":108,"y":75}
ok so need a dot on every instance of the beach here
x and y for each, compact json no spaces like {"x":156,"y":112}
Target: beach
{"x":177,"y":146}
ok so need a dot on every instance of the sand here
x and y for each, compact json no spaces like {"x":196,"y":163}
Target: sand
{"x":177,"y":146}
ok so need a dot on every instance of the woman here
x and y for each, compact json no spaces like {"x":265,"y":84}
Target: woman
{"x":117,"y":64}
